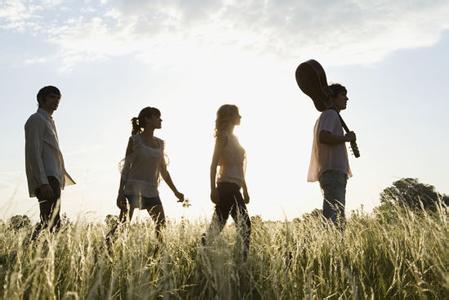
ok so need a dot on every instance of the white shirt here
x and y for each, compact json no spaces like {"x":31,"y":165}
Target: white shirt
{"x":231,"y":164}
{"x":43,"y":158}
{"x":141,"y":171}
{"x":328,"y":157}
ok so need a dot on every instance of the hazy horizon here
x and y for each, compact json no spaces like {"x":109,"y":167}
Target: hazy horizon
{"x":112,"y":58}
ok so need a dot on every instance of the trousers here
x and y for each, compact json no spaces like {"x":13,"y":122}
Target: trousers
{"x":231,"y":203}
{"x":333,"y":185}
{"x":49,"y":208}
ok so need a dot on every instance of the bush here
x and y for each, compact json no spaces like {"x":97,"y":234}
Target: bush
{"x":409,"y":192}
{"x":18,"y":222}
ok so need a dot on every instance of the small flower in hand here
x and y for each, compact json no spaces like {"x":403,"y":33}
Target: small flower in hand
{"x":186,"y":203}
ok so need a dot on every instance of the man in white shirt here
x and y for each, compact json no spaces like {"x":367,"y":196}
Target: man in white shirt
{"x":44,"y":162}
{"x":329,"y":161}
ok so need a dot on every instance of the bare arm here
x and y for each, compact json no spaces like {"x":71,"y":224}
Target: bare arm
{"x":245,"y":192}
{"x":328,"y":138}
{"x":220,"y":142}
{"x":326,"y":123}
{"x":167,"y":178}
{"x":121,"y":201}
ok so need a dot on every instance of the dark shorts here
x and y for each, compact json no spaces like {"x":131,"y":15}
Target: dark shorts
{"x":143,"y":202}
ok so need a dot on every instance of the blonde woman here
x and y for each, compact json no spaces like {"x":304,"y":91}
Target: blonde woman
{"x":227,"y":178}
{"x":144,"y":165}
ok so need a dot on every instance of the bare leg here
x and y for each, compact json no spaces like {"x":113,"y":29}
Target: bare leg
{"x":124,"y":216}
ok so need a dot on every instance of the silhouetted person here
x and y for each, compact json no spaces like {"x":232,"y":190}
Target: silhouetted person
{"x":45,"y":169}
{"x":229,"y":159}
{"x":144,"y":164}
{"x":329,"y":162}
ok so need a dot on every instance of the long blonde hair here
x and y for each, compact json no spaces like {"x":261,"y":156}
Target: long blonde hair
{"x":226,"y":116}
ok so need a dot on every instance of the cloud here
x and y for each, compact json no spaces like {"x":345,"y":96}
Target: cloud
{"x":21,"y":15}
{"x":340,"y":32}
{"x":37,"y":60}
{"x":15,"y":14}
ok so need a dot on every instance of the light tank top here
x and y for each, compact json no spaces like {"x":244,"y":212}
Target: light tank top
{"x":232,"y":162}
{"x":141,"y":170}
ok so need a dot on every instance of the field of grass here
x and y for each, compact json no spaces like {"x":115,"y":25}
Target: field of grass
{"x":401,"y":254}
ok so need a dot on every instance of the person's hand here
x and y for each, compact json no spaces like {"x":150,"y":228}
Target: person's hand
{"x":46,"y":192}
{"x":350,"y":136}
{"x":121,"y":202}
{"x":214,"y":196}
{"x":180,"y":196}
{"x":246,"y":197}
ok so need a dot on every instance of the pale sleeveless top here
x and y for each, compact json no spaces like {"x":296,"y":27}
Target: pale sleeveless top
{"x":232,"y":162}
{"x":142,"y":167}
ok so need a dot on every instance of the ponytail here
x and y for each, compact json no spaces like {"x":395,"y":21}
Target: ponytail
{"x":136,"y":127}
{"x":138,"y":124}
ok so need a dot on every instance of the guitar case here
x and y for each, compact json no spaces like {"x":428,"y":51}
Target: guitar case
{"x":312,"y":81}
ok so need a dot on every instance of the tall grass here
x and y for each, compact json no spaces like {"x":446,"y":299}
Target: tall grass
{"x":399,"y":254}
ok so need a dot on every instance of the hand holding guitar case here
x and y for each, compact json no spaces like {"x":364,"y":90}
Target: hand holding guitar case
{"x":312,"y":81}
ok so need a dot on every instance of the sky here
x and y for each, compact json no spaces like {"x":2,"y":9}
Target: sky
{"x":111,"y":58}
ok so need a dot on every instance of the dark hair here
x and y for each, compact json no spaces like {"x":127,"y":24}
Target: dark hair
{"x":45,"y":91}
{"x":139,"y":122}
{"x":336,"y":89}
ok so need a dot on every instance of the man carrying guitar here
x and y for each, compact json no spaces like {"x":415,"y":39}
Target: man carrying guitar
{"x":329,"y":162}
